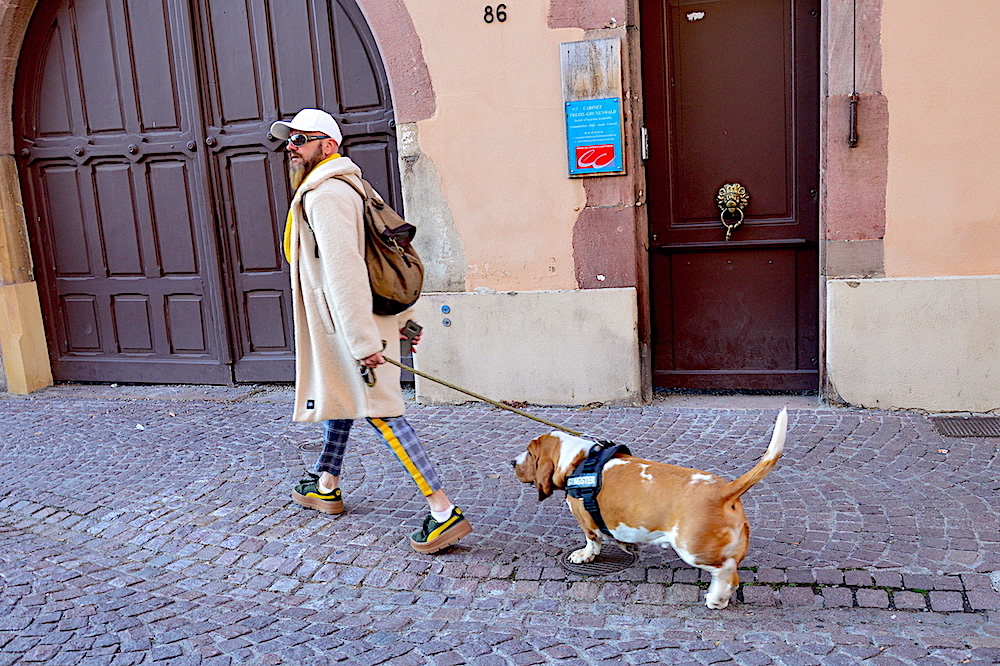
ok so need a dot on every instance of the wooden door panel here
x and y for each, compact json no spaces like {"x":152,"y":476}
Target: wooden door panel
{"x":732,"y":97}
{"x":724,"y":313}
{"x":357,"y":81}
{"x":133,"y":323}
{"x":172,"y":217}
{"x":250,"y":191}
{"x":377,"y":160}
{"x":237,"y":71}
{"x":263,"y":308}
{"x":117,"y":219}
{"x":155,"y":62}
{"x":58,"y":198}
{"x":53,"y":110}
{"x":295,"y":64}
{"x":187,"y":324}
{"x":723,"y":87}
{"x":80,"y":321}
{"x":110,"y":176}
{"x":319,"y":54}
{"x":100,"y":94}
{"x":248,"y":174}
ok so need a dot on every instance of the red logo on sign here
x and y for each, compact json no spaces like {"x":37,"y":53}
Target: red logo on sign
{"x":595,"y":157}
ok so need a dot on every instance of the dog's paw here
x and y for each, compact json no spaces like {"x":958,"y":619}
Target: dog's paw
{"x":582,"y":556}
{"x":718,"y":594}
{"x":715,"y":602}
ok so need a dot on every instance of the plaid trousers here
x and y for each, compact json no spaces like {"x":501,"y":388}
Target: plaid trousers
{"x":398,"y":435}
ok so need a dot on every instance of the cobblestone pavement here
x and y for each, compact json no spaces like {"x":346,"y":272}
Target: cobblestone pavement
{"x":142,"y":525}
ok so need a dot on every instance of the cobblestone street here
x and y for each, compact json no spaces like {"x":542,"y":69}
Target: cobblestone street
{"x":142,"y":525}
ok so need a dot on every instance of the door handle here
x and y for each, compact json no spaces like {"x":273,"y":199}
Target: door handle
{"x":732,"y":199}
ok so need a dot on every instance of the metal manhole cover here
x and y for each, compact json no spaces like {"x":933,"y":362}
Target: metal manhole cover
{"x":610,"y":561}
{"x":967,"y":426}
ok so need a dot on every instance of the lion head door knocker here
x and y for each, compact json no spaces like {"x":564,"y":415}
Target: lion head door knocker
{"x":732,"y":199}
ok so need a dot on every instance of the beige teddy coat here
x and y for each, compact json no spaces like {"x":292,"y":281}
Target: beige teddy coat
{"x":332,"y":304}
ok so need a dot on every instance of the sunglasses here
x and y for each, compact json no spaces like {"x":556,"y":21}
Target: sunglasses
{"x":300,"y":140}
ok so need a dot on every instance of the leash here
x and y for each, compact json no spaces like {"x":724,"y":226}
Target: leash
{"x":585,"y":481}
{"x":483,"y":398}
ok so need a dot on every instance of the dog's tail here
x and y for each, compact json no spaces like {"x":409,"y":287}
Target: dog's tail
{"x":734,"y":489}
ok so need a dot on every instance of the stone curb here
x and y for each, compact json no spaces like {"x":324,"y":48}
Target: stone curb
{"x":949,"y":593}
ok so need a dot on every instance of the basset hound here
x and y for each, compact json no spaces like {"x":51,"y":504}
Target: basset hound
{"x":698,"y":514}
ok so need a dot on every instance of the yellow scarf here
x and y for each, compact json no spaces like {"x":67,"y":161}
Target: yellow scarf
{"x":287,"y":244}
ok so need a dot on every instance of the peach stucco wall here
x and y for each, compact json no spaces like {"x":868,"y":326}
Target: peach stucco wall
{"x":940,"y":65}
{"x":496,"y":137}
{"x":922,"y":336}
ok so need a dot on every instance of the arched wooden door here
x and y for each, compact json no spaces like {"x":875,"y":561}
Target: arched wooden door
{"x":155,"y":198}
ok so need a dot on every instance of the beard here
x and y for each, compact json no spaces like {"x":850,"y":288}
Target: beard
{"x":299,"y":168}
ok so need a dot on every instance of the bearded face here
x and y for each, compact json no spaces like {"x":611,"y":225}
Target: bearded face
{"x":300,"y":165}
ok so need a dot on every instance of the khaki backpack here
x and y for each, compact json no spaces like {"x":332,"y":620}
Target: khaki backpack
{"x":395,"y":271}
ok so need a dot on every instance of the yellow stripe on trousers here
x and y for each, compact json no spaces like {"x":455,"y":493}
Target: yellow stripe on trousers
{"x":397,"y":448}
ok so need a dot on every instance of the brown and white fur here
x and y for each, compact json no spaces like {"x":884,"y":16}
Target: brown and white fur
{"x":698,"y":514}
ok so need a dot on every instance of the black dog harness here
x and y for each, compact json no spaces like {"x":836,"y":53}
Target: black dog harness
{"x":585,"y":481}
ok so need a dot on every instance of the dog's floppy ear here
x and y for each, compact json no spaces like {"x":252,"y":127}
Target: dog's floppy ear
{"x":544,"y":466}
{"x":544,"y":469}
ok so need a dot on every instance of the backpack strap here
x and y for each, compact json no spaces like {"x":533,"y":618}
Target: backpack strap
{"x":368,"y":197}
{"x":364,"y":197}
{"x":361,"y":193}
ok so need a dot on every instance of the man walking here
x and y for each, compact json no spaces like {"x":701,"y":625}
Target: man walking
{"x":336,"y":334}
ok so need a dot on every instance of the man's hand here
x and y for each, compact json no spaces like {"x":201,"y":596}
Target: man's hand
{"x":374,"y":360}
{"x":413,"y":343}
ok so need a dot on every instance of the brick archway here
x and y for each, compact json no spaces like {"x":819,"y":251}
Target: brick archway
{"x":403,"y":58}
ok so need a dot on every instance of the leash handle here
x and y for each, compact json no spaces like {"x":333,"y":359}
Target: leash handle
{"x":483,"y":398}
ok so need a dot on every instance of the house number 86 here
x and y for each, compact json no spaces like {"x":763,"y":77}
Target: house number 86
{"x":500,"y":16}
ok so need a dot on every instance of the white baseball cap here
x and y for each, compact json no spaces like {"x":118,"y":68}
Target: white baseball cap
{"x":309,"y":120}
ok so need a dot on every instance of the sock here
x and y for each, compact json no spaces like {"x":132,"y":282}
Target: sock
{"x":442,"y":516}
{"x":323,"y":489}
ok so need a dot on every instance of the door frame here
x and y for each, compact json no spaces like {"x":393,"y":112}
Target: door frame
{"x":644,"y":287}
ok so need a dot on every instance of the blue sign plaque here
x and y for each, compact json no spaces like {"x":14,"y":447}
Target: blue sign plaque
{"x":594,"y":136}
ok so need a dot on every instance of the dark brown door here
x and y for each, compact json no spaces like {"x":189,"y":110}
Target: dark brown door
{"x":108,"y":129}
{"x":732,"y":96}
{"x":155,"y":200}
{"x":267,"y":60}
